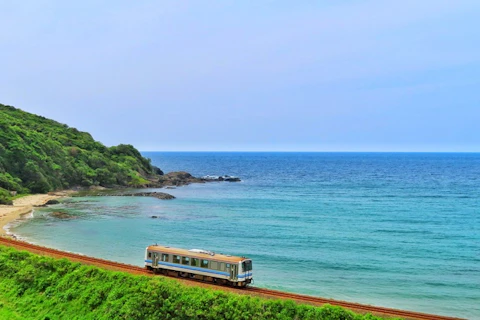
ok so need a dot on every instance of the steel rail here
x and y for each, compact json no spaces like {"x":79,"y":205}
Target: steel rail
{"x":107,"y":264}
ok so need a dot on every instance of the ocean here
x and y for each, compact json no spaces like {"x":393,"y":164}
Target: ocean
{"x":399,"y":230}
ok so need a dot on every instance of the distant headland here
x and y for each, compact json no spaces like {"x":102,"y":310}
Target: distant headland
{"x":39,"y":155}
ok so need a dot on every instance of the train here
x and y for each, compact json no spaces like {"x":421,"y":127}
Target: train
{"x":199,"y":264}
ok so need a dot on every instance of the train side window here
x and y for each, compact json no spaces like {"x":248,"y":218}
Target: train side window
{"x":222,"y":266}
{"x":149,"y":254}
{"x":228,"y":266}
{"x":214,"y":265}
{"x":186,"y":260}
{"x":195,"y":262}
{"x":204,"y":264}
{"x":176,"y":259}
{"x":164,"y":257}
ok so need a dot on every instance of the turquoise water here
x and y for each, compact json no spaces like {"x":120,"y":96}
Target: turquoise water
{"x":398,"y":230}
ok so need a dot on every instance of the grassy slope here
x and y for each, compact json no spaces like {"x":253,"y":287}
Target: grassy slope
{"x":39,"y":155}
{"x":37,"y":287}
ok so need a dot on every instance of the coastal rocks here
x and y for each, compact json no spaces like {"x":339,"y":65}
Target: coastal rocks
{"x":157,"y":171}
{"x":229,"y":178}
{"x":123,"y":193}
{"x":168,"y":181}
{"x":181,"y":178}
{"x":62,"y":215}
{"x":158,"y":195}
{"x":49,"y":202}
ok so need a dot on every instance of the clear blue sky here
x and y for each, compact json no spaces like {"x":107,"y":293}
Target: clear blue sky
{"x":249,"y":75}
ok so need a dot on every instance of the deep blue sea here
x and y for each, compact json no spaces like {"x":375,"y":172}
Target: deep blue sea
{"x":399,"y":230}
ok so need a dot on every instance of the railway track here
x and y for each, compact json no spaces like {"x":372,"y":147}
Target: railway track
{"x":356,"y":307}
{"x":111,"y":265}
{"x":73,"y":256}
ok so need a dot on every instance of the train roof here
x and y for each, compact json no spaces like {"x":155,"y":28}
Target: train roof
{"x":197,"y":253}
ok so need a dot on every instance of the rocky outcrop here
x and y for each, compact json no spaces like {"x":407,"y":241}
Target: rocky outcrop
{"x":157,"y":170}
{"x":49,"y":202}
{"x":169,"y":181}
{"x":158,"y":195}
{"x":62,"y":215}
{"x":229,"y":179}
{"x":181,"y":178}
{"x":125,"y":193}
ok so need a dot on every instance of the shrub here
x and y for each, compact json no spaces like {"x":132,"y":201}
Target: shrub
{"x":43,"y":155}
{"x":5,"y":197}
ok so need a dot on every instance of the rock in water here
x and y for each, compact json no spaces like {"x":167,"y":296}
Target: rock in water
{"x":62,"y":215}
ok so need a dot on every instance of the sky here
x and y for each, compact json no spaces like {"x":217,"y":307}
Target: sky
{"x":349,"y":75}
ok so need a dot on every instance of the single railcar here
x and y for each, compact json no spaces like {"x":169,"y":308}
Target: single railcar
{"x":199,"y":264}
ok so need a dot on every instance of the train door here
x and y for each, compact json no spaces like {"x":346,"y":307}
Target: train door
{"x":155,"y":259}
{"x":233,"y":271}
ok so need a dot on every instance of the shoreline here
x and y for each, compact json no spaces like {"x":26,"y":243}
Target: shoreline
{"x":23,"y":206}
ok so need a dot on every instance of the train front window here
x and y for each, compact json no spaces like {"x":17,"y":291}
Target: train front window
{"x":247,"y":265}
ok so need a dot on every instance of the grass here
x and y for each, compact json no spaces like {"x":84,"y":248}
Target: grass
{"x":38,"y":287}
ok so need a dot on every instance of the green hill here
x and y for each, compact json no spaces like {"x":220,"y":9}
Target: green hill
{"x":38,"y":155}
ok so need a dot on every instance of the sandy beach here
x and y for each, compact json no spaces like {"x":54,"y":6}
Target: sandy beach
{"x":23,"y":206}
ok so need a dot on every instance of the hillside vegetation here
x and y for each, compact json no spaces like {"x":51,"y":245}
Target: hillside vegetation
{"x":38,"y":155}
{"x":38,"y":287}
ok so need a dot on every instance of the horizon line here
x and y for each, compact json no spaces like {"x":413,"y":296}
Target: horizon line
{"x":304,"y":151}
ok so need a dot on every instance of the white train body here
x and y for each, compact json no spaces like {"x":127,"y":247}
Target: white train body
{"x":199,"y":264}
